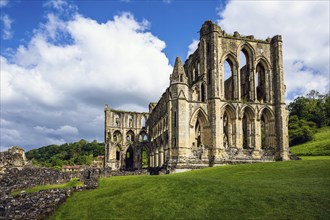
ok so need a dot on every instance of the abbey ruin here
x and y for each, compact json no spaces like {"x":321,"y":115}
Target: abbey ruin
{"x":205,"y":118}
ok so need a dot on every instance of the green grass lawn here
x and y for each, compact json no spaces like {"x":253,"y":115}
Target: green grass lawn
{"x":73,"y":182}
{"x":277,"y":190}
{"x":319,"y":146}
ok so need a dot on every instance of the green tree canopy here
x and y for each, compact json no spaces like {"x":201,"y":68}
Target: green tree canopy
{"x":77,"y":153}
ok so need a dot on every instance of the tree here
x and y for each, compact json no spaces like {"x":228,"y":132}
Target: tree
{"x":315,"y":107}
{"x":79,"y":153}
{"x":300,"y":130}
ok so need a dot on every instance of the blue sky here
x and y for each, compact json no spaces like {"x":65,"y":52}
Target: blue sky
{"x":61,"y":61}
{"x":175,"y":22}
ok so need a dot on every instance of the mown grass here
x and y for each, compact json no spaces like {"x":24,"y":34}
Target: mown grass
{"x":278,"y":190}
{"x":315,"y":157}
{"x":319,"y":146}
{"x":73,"y":182}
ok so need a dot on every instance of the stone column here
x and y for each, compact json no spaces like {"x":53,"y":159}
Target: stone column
{"x":151,"y":160}
{"x":161,"y":158}
{"x":156,"y":164}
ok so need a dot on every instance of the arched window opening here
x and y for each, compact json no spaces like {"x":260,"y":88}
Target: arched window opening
{"x":202,"y":93}
{"x":117,"y":136}
{"x":248,"y":129}
{"x":145,"y":138}
{"x":228,"y":80}
{"x":260,"y":82}
{"x":245,"y":76}
{"x":267,"y":130}
{"x":117,"y":153}
{"x":228,"y":127}
{"x":129,"y":159}
{"x":181,"y":78}
{"x":117,"y":120}
{"x":130,"y":136}
{"x":143,"y":121}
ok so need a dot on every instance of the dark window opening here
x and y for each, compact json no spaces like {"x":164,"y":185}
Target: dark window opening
{"x":202,"y":93}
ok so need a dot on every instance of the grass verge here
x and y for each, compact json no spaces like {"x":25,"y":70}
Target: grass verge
{"x":73,"y":182}
{"x":279,"y":190}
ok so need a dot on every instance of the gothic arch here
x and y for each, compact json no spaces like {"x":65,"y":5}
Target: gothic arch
{"x":246,"y":71}
{"x":196,"y":113}
{"x":249,"y":110}
{"x":230,"y":108}
{"x":268,"y":111}
{"x":248,"y":48}
{"x":199,"y":133}
{"x":264,"y":61}
{"x":228,"y":124}
{"x":230,"y":86}
{"x":130,"y":137}
{"x":267,"y":128}
{"x":117,"y":136}
{"x":229,"y":56}
{"x":248,"y":127}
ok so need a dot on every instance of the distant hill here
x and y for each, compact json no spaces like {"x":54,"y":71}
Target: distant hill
{"x":77,"y":153}
{"x":319,"y":146}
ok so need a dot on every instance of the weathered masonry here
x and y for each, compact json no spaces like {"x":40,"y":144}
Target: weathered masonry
{"x":225,"y":104}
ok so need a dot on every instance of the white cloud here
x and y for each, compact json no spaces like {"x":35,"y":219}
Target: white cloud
{"x":54,"y":91}
{"x":3,"y":3}
{"x":6,"y":27}
{"x":304,"y":26}
{"x":192,"y":47}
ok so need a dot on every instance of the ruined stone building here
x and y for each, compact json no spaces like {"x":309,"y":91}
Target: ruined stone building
{"x":207,"y":117}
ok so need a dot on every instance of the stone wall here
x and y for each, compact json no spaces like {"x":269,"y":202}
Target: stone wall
{"x":40,"y":205}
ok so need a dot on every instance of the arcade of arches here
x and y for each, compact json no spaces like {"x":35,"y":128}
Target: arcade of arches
{"x":225,"y":104}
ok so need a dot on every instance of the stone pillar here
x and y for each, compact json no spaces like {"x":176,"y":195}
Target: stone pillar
{"x":156,"y":164}
{"x":151,"y":160}
{"x":161,"y":158}
{"x":238,"y":131}
{"x":281,"y":113}
{"x":257,"y":134}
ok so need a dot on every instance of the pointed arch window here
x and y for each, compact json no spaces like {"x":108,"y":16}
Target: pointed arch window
{"x":228,"y":68}
{"x":261,"y":83}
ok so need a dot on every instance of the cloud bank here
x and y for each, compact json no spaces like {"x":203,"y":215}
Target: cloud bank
{"x":53,"y":89}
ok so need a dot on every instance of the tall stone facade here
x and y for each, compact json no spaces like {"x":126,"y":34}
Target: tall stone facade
{"x":214,"y":111}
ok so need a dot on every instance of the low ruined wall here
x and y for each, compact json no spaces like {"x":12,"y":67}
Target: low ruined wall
{"x":28,"y":177}
{"x":38,"y":205}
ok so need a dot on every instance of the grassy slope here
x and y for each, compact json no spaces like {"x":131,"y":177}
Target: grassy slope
{"x":281,"y":190}
{"x":320,"y":145}
{"x":73,"y":182}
